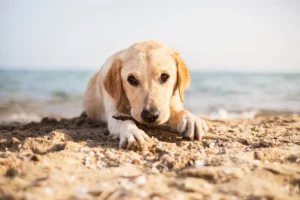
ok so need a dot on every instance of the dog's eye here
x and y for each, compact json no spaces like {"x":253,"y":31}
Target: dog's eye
{"x":164,"y":78}
{"x":132,"y":80}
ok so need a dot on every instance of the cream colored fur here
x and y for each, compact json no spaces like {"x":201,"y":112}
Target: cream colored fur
{"x":109,"y":92}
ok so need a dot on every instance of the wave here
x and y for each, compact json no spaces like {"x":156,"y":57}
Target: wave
{"x":248,"y":114}
{"x":29,"y":116}
{"x":28,"y":95}
{"x":225,"y":114}
{"x":21,"y":117}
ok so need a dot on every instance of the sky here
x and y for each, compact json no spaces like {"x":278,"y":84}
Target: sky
{"x":254,"y":35}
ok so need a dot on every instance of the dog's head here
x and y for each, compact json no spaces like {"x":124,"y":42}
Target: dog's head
{"x":144,"y":78}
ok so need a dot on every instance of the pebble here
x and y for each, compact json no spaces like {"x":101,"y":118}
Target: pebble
{"x":256,"y":162}
{"x":282,"y":158}
{"x":136,"y":162}
{"x":255,"y":128}
{"x":81,"y":193}
{"x":286,"y":188}
{"x":105,"y":186}
{"x":267,"y":126}
{"x":149,"y":158}
{"x":155,"y":170}
{"x":227,"y":171}
{"x":125,"y":183}
{"x":48,"y":191}
{"x":212,"y":144}
{"x":100,"y":155}
{"x":110,"y":155}
{"x":88,"y":163}
{"x":72,"y":178}
{"x":143,"y":194}
{"x":84,"y":149}
{"x":91,"y":153}
{"x":200,"y":163}
{"x":141,"y":180}
{"x":99,"y":165}
{"x":234,"y":198}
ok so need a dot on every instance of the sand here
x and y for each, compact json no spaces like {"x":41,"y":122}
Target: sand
{"x":76,"y":159}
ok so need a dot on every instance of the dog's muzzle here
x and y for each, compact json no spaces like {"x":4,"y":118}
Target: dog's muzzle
{"x":150,"y":115}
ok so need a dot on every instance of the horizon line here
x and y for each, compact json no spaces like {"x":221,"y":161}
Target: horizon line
{"x":58,"y":68}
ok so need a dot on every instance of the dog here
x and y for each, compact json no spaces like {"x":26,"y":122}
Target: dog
{"x":146,"y":80}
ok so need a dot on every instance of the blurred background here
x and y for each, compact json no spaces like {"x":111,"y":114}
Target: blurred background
{"x":244,"y":56}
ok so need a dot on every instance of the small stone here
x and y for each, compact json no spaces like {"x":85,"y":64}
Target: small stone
{"x":84,"y":149}
{"x":125,"y":184}
{"x":227,"y":171}
{"x":200,"y":163}
{"x":286,"y":188}
{"x":81,"y":193}
{"x":48,"y":191}
{"x":91,"y":153}
{"x":256,"y":162}
{"x":87,"y":161}
{"x":72,"y":179}
{"x":255,"y":128}
{"x":234,"y":198}
{"x":282,"y":158}
{"x":150,"y":158}
{"x":60,"y":135}
{"x":110,"y":155}
{"x":136,"y":162}
{"x":212,"y":144}
{"x":100,"y":155}
{"x":155,"y":170}
{"x":99,"y":165}
{"x":143,"y":194}
{"x":141,"y":180}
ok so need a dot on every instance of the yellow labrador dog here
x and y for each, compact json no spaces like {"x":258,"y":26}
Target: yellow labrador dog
{"x":146,"y":80}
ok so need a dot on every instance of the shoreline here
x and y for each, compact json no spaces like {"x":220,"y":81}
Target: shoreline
{"x":76,"y":159}
{"x":26,"y":112}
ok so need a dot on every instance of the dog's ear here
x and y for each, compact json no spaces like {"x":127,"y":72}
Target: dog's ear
{"x":183,"y":75}
{"x":113,"y":82}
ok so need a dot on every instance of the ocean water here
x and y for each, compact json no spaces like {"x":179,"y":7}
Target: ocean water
{"x":29,"y":95}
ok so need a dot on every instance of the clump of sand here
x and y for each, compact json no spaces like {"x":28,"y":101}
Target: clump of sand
{"x":76,"y":159}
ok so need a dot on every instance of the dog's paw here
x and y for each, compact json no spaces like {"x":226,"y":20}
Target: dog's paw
{"x":133,"y":137}
{"x":192,"y":127}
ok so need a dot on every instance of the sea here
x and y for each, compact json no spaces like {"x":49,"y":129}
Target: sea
{"x":30,"y":95}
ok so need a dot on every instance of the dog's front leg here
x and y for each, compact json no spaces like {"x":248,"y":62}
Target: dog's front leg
{"x":129,"y":134}
{"x":188,"y":125}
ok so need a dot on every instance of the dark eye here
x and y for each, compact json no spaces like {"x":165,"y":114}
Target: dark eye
{"x":132,"y":80}
{"x":164,"y":78}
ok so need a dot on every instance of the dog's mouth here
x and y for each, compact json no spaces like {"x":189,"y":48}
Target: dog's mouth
{"x":157,"y":122}
{"x":149,"y":117}
{"x":124,"y":116}
{"x":147,"y":123}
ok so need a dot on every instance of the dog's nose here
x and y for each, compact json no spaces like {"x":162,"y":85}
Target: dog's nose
{"x":150,"y":115}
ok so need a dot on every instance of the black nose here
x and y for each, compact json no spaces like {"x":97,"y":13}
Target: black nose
{"x":150,"y":115}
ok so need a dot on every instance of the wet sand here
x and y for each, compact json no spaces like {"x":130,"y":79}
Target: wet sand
{"x":76,"y":159}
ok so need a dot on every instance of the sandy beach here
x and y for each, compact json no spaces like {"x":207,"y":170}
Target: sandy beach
{"x":235,"y":64}
{"x":76,"y":159}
